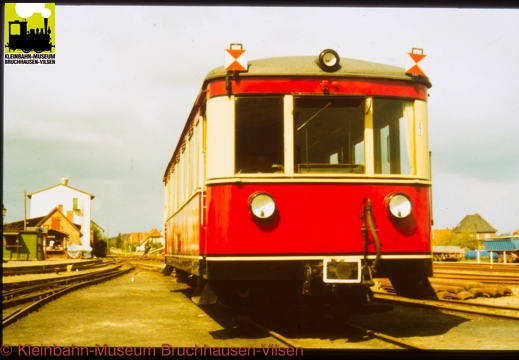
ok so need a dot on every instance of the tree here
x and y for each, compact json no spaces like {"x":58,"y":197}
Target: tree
{"x":441,"y":237}
{"x":465,"y":240}
{"x":98,"y":234}
{"x":119,"y":241}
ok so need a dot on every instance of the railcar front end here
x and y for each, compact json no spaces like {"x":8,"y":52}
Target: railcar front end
{"x":303,"y":178}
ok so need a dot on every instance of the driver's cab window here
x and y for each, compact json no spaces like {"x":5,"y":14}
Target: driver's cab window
{"x":328,"y":135}
{"x":259,"y":146}
{"x":393,"y":122}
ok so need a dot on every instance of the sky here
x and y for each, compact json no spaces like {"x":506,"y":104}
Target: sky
{"x":109,"y":113}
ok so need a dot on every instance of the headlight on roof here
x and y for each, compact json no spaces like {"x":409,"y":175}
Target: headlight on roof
{"x":399,"y":206}
{"x":329,"y":60}
{"x":262,"y":205}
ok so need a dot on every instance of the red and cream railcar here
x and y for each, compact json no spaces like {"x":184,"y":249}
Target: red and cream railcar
{"x":303,"y":176}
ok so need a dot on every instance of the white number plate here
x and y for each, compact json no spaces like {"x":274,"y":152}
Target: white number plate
{"x":342,"y":270}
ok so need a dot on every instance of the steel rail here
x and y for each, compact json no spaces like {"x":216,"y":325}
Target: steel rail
{"x":272,"y":333}
{"x":8,"y":271}
{"x":14,"y":286}
{"x":449,"y":305}
{"x":483,"y":278}
{"x":388,"y":338}
{"x":16,"y":296}
{"x":513,"y":267}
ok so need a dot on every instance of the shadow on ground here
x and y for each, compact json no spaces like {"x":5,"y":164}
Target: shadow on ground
{"x":255,"y":320}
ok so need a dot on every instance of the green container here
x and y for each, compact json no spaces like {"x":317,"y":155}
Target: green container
{"x":31,"y":245}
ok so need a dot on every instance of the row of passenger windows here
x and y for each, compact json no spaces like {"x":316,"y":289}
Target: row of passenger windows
{"x":186,"y":175}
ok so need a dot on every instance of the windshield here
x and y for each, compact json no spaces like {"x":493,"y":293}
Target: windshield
{"x":343,"y":135}
{"x":328,"y":135}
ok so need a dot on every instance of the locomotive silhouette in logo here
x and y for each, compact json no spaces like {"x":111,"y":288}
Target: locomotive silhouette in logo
{"x":20,"y":38}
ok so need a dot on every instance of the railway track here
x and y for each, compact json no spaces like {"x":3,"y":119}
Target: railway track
{"x":325,"y":333}
{"x":55,"y":268}
{"x":373,"y":336}
{"x":361,"y":333}
{"x":404,"y":344}
{"x":489,"y":310}
{"x":285,"y":326}
{"x":392,"y":330}
{"x":470,"y":266}
{"x":30,"y":295}
{"x":485,"y":273}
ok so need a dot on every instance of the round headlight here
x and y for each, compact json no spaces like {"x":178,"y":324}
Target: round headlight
{"x":262,"y":205}
{"x":329,"y":60}
{"x":399,"y":206}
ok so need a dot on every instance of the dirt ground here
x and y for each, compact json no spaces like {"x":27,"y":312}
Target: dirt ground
{"x":146,"y":309}
{"x":140,"y":309}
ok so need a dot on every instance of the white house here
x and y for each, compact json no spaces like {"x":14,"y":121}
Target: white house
{"x":154,"y":239}
{"x":75,"y":205}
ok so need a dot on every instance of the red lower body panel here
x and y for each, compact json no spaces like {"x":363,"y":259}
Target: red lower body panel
{"x":313,"y":219}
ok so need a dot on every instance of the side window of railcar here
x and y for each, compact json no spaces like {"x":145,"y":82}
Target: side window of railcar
{"x":259,"y":135}
{"x":328,"y":135}
{"x":393,"y":123}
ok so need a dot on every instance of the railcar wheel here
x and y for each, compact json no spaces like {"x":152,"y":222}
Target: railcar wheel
{"x":243,"y":292}
{"x":231,"y":293}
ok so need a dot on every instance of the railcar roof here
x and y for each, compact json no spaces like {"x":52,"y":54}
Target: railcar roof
{"x":308,"y":66}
